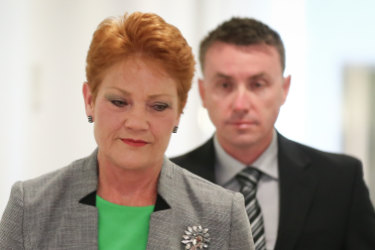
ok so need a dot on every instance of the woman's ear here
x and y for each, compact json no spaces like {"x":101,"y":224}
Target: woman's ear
{"x":88,"y":98}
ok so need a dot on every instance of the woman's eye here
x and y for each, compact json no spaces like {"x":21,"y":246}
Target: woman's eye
{"x":119,"y":103}
{"x":160,"y":106}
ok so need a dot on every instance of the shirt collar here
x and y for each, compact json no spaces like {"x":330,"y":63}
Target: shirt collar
{"x":229,"y":167}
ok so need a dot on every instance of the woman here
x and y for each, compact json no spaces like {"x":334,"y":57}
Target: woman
{"x":127,"y":195}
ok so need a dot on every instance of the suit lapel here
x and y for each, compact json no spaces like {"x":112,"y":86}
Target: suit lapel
{"x":297,"y":188}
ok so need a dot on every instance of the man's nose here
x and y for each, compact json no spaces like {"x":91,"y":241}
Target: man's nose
{"x":241,"y":100}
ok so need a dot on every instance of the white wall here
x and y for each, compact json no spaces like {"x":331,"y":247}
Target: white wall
{"x":42,"y":61}
{"x":340,"y":33}
{"x":340,"y":36}
{"x":13,"y":94}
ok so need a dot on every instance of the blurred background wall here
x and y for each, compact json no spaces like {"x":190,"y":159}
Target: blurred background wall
{"x":43,"y":44}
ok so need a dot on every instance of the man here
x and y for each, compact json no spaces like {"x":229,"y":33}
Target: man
{"x":305,"y":198}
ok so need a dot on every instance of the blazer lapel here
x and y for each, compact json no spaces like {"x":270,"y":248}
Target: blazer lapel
{"x":86,"y":231}
{"x":168,"y":225}
{"x":84,"y":184}
{"x":297,"y":188}
{"x":162,"y":229}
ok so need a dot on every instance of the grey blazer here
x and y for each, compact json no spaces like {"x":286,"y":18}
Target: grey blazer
{"x":57,"y":211}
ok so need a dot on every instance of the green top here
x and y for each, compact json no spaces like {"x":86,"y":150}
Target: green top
{"x":122,"y":227}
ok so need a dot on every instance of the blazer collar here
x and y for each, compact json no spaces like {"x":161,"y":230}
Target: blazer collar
{"x":89,"y":196}
{"x":85,"y":181}
{"x":163,"y":226}
{"x":297,"y":189}
{"x":83,"y":218}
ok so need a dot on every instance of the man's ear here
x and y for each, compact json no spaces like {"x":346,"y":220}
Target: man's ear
{"x":286,"y":86}
{"x":202,"y":91}
{"x":88,"y":98}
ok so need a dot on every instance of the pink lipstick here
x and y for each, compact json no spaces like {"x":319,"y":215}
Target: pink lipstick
{"x":134,"y":143}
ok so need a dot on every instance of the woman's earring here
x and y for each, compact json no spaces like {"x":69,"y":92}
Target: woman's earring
{"x":175,"y":128}
{"x":89,"y":118}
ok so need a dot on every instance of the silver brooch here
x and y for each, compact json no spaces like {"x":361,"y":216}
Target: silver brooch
{"x":196,"y":237}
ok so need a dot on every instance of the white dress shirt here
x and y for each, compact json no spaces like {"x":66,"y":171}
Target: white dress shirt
{"x":226,"y":168}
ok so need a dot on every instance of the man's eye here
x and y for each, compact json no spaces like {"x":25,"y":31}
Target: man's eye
{"x":160,"y":106}
{"x":257,"y":85}
{"x":119,"y":103}
{"x":225,"y":85}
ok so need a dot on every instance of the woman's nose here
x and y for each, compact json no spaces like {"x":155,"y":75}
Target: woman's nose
{"x":136,"y":119}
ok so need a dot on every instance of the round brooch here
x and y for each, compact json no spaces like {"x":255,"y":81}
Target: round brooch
{"x":196,"y":237}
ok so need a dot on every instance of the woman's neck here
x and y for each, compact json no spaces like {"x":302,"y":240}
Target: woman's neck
{"x":135,"y":187}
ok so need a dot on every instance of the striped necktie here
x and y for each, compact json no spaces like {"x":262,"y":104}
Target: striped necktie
{"x":248,"y":179}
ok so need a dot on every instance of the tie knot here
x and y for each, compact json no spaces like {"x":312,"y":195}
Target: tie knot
{"x":249,"y":174}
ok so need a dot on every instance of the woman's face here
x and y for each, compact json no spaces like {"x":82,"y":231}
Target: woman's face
{"x":134,"y":114}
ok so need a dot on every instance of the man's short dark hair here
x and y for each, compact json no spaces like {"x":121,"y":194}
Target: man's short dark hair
{"x":243,"y":32}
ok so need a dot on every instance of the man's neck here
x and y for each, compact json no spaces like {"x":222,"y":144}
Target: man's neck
{"x":246,"y":154}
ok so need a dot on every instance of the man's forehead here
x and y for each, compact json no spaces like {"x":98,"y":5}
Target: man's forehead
{"x":224,"y":53}
{"x":218,"y":47}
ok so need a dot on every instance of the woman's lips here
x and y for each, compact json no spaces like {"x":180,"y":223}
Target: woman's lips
{"x":134,"y":143}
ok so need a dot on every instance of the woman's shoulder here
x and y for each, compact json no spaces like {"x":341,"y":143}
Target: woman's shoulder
{"x":73,"y":169}
{"x":73,"y":178}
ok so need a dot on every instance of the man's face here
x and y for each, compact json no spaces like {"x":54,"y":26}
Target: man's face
{"x":243,"y":89}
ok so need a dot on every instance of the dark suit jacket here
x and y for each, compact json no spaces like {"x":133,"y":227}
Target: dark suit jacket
{"x":324,"y":202}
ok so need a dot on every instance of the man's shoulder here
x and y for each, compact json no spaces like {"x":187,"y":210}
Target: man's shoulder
{"x":200,"y":161}
{"x":201,"y":153}
{"x":316,"y":156}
